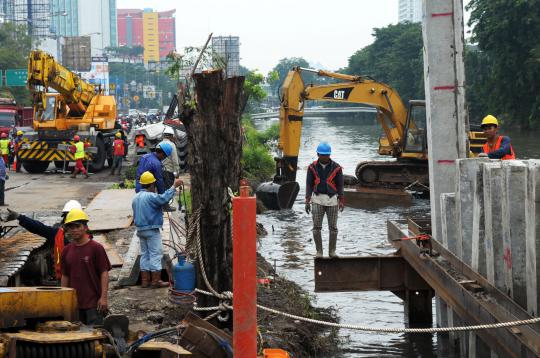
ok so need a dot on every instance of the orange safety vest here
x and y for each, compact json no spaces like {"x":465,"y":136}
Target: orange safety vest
{"x":329,"y":180}
{"x":486,"y":149}
{"x":57,"y":254}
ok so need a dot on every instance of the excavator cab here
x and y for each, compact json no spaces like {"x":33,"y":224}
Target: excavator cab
{"x":415,"y":135}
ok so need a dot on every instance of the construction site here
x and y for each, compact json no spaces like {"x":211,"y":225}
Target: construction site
{"x":162,"y":247}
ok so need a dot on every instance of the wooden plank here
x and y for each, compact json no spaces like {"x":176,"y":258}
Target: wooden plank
{"x":164,"y":346}
{"x":111,"y":209}
{"x":112,"y":254}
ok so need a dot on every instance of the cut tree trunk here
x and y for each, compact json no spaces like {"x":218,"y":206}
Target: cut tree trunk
{"x":215,"y":150}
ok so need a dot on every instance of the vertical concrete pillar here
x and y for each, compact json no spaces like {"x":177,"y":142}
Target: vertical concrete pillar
{"x":477,"y":347}
{"x":493,"y":222}
{"x":514,"y":257}
{"x":441,"y":311}
{"x":532,"y":221}
{"x":444,"y":75}
{"x":478,"y":256}
{"x":448,"y":221}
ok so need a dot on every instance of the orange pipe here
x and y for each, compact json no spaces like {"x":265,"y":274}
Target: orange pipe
{"x":244,"y":274}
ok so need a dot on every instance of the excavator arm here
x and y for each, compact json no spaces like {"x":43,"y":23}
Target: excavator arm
{"x":45,"y":72}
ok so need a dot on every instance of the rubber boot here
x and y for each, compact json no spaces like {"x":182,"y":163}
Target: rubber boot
{"x":318,"y":244}
{"x":86,"y":176}
{"x":332,"y":245}
{"x":145,"y":279}
{"x":156,"y":282}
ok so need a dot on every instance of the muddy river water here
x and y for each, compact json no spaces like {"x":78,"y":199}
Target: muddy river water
{"x":361,"y":232}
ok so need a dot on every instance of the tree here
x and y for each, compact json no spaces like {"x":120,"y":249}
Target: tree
{"x":507,"y":33}
{"x":395,"y":58}
{"x":253,"y":91}
{"x":284,"y":66}
{"x":16,"y":45}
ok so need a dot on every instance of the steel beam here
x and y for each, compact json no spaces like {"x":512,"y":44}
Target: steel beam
{"x":474,"y":307}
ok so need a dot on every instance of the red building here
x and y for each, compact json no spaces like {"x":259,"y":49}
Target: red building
{"x":131,"y":33}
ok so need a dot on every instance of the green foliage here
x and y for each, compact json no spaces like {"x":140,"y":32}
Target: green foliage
{"x":395,"y":58}
{"x":185,"y":200}
{"x":282,"y":68}
{"x":478,"y":82}
{"x":126,"y":184}
{"x":14,"y":51}
{"x":507,"y":34}
{"x":253,"y":90}
{"x":257,"y":162}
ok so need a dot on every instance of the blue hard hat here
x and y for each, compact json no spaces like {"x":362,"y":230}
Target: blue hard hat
{"x":166,"y":148}
{"x":324,"y":149}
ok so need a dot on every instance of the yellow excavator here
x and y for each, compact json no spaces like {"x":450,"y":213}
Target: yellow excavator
{"x":75,"y":107}
{"x":404,"y":135}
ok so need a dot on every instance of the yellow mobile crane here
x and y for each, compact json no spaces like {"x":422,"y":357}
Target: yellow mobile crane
{"x":404,"y":135}
{"x":77,"y":107}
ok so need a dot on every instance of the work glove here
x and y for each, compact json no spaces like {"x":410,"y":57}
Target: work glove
{"x":341,"y":204}
{"x":12,"y":215}
{"x":308,"y":206}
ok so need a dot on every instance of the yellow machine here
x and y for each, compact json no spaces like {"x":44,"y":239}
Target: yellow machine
{"x":77,"y":107}
{"x":37,"y":322}
{"x":404,"y":135}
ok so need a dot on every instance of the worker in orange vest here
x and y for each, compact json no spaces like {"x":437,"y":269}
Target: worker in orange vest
{"x":496,"y":146}
{"x":54,"y":234}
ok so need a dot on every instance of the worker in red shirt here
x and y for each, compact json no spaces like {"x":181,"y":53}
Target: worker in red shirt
{"x":78,"y":150}
{"x":118,"y":153}
{"x":85,"y":267}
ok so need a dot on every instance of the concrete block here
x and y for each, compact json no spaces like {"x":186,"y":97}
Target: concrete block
{"x":478,"y":256}
{"x":532,"y":237}
{"x":466,"y":174}
{"x":448,"y":221}
{"x":516,"y":212}
{"x":493,"y":218}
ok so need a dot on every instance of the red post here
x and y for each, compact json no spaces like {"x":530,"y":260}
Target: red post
{"x":244,"y":274}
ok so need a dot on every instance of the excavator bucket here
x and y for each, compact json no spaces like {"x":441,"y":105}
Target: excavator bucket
{"x":276,"y":196}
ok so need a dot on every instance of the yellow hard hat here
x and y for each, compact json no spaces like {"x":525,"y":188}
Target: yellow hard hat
{"x":118,"y":135}
{"x":147,"y":178}
{"x":19,"y":133}
{"x":489,"y":119}
{"x":76,"y":215}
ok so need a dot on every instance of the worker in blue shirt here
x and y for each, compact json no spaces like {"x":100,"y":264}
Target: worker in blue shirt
{"x":3,"y":178}
{"x":151,"y":162}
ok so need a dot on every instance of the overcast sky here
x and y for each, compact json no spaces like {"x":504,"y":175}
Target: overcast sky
{"x":326,"y":33}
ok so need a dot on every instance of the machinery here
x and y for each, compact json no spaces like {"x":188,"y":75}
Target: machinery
{"x":404,"y":135}
{"x":76,"y":107}
{"x":38,"y":322}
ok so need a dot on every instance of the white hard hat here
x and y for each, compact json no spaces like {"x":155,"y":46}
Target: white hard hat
{"x":72,"y":204}
{"x":168,"y":130}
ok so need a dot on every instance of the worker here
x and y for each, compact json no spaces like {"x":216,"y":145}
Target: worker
{"x":54,"y":235}
{"x":151,"y":162}
{"x":139,"y":140}
{"x":17,"y":142}
{"x":496,"y":146}
{"x":118,"y":153}
{"x":324,"y":195}
{"x":78,"y":150}
{"x":148,"y":218}
{"x":3,"y":178}
{"x":171,"y":164}
{"x":85,"y":267}
{"x":4,"y":147}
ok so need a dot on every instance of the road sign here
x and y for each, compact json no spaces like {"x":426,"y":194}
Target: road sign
{"x":16,"y":77}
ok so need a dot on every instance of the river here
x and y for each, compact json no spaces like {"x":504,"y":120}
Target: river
{"x":361,"y":232}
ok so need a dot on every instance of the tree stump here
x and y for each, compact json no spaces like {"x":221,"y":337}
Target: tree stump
{"x":215,"y":150}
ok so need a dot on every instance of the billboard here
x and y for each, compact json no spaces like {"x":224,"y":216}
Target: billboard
{"x":98,"y":75}
{"x":76,"y":53}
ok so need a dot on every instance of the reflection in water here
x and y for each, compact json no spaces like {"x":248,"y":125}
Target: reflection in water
{"x":361,"y":232}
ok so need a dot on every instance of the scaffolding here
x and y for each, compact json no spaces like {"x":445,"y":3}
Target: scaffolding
{"x":226,"y":53}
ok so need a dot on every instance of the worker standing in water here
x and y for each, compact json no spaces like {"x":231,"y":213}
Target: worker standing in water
{"x":496,"y":146}
{"x":324,"y":195}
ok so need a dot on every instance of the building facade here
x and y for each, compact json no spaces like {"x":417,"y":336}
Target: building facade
{"x":410,"y":10}
{"x":155,"y":31}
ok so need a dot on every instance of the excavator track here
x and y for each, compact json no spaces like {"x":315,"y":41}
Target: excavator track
{"x":394,"y":174}
{"x":17,"y":253}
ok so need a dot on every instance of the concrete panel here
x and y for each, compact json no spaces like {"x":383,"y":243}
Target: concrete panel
{"x":448,"y":221}
{"x":478,"y":256}
{"x":466,"y":174}
{"x":493,"y":219}
{"x":111,"y":209}
{"x":514,"y":255}
{"x":532,"y":221}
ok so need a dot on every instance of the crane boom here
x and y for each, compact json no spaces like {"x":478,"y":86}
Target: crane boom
{"x":45,"y":71}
